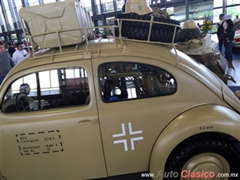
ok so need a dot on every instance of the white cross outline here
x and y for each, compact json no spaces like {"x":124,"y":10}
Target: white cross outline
{"x":123,"y":132}
{"x":124,"y":141}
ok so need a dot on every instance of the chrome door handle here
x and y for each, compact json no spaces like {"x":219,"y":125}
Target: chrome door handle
{"x":86,"y":122}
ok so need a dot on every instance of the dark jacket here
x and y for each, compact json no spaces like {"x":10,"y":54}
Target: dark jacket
{"x":11,"y":50}
{"x":229,"y":34}
{"x":6,"y":63}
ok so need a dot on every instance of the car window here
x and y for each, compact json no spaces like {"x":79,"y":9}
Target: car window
{"x":57,"y":88}
{"x":124,"y":80}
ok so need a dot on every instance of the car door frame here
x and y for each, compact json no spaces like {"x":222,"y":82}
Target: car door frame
{"x":92,"y":164}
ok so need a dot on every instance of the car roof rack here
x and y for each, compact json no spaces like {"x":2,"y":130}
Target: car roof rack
{"x":116,"y":29}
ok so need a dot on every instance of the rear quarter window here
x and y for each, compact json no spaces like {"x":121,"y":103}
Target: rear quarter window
{"x":129,"y":80}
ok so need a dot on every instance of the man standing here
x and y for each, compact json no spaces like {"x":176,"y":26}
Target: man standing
{"x":236,"y":20}
{"x":221,"y":26}
{"x":19,"y":54}
{"x":6,"y":63}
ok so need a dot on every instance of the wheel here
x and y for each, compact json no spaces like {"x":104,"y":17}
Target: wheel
{"x":215,"y":156}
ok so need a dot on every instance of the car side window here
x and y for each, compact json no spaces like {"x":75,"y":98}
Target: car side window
{"x":125,"y":80}
{"x":57,"y":88}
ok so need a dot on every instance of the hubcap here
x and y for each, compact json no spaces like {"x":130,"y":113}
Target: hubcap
{"x":205,"y":166}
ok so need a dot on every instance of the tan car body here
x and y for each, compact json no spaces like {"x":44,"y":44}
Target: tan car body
{"x":87,"y":132}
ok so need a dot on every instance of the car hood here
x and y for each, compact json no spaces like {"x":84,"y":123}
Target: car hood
{"x":211,"y":80}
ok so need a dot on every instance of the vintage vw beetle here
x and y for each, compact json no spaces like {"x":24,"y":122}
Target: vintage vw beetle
{"x":109,"y":107}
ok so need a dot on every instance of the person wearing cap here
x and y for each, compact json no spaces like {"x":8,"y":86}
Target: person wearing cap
{"x":19,"y":54}
{"x":6,"y":63}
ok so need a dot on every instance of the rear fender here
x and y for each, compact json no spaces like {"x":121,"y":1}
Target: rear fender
{"x":202,"y":119}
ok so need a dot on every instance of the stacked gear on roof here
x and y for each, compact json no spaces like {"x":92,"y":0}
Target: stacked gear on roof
{"x":140,"y":30}
{"x":189,"y":31}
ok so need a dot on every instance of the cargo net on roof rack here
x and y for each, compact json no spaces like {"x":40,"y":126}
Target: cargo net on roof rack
{"x":147,"y":28}
{"x":128,"y":27}
{"x":67,"y":23}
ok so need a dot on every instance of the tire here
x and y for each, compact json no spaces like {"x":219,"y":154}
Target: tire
{"x":217,"y":154}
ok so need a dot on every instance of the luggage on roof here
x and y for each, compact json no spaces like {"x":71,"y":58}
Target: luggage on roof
{"x":46,"y":22}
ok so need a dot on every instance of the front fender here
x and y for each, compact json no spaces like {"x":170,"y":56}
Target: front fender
{"x":206,"y":118}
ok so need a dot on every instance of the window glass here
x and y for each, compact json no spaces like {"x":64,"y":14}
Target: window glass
{"x":66,"y":87}
{"x":123,"y":80}
{"x":86,"y":3}
{"x":18,"y":3}
{"x":49,"y":1}
{"x":217,"y":3}
{"x":89,"y":9}
{"x":180,"y":13}
{"x":98,"y":8}
{"x":33,"y":2}
{"x":232,"y":2}
{"x":106,"y":1}
{"x":120,"y":4}
{"x":97,"y":1}
{"x":108,"y":7}
{"x":216,"y":13}
{"x":9,"y":16}
{"x":233,"y":11}
{"x":200,"y":10}
{"x":170,"y":10}
{"x":2,"y":21}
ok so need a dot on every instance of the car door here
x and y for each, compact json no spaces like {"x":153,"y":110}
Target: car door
{"x":51,"y":140}
{"x":131,"y":124}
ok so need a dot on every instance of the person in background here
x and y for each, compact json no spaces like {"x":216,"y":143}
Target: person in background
{"x":236,"y":20}
{"x":108,"y":88}
{"x":229,"y":34}
{"x":221,"y":26}
{"x":199,"y":26}
{"x":24,"y":43}
{"x":6,"y":63}
{"x":67,"y":99}
{"x":11,"y":49}
{"x":22,"y":101}
{"x":19,"y":54}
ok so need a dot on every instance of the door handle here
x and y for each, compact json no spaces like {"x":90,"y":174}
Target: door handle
{"x":86,"y":122}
